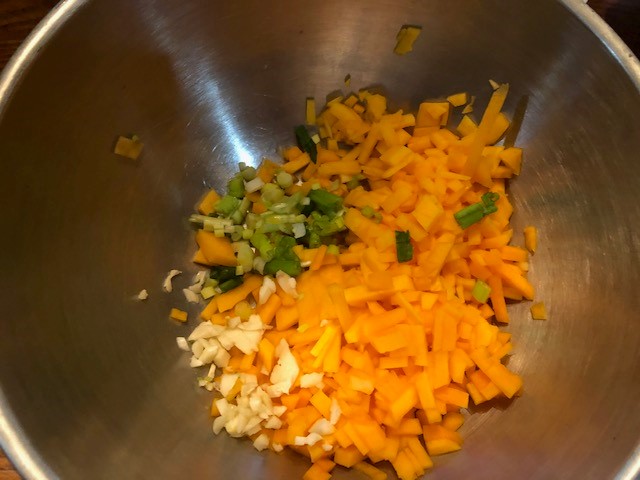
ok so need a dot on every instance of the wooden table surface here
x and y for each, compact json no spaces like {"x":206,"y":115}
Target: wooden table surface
{"x":18,"y":17}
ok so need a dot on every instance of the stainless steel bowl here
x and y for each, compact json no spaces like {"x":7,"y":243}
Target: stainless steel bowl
{"x":91,"y":383}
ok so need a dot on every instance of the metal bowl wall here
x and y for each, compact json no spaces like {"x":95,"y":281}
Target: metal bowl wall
{"x":91,"y":383}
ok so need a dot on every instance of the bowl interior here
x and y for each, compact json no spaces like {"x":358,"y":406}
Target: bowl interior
{"x":91,"y":382}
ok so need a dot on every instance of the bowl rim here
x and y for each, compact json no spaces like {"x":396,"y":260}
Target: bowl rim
{"x":15,"y":445}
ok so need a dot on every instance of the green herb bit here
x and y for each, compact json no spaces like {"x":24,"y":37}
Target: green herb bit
{"x":404,"y":249}
{"x":231,"y":284}
{"x":324,"y":201}
{"x":477,"y":211}
{"x":306,"y":143}
{"x":481,"y":291}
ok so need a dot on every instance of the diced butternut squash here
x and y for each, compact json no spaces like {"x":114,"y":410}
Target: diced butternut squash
{"x":208,"y":202}
{"x":538,"y":311}
{"x":226,"y":301}
{"x":217,"y":250}
{"x":531,"y":238}
{"x":178,"y":315}
{"x":385,"y":352}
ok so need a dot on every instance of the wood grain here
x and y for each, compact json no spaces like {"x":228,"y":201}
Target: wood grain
{"x":19,"y":17}
{"x":6,"y":470}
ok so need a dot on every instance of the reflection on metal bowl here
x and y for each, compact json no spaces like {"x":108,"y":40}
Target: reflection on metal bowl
{"x":91,"y":384}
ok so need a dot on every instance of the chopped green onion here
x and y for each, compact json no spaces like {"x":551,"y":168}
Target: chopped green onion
{"x":282,"y":207}
{"x":253,"y":185}
{"x":284,"y":179}
{"x":248,"y":173}
{"x":284,"y":248}
{"x":290,"y":267}
{"x":222,"y":274}
{"x":245,"y":256}
{"x":235,"y":187}
{"x":280,"y":219}
{"x":285,"y":228}
{"x":404,"y":249}
{"x":325,"y":201}
{"x":227,"y":205}
{"x":306,"y":143}
{"x":314,"y":240}
{"x":288,"y":204}
{"x":239,"y":270}
{"x":251,"y":220}
{"x":481,"y":291}
{"x":353,"y":183}
{"x":334,"y":226}
{"x":238,"y":216}
{"x":268,"y":228}
{"x":247,"y":233}
{"x":319,"y":225}
{"x":368,"y":211}
{"x":263,"y":244}
{"x":231,"y":284}
{"x":284,"y":258}
{"x":209,"y":224}
{"x":477,"y":211}
{"x":207,"y":292}
{"x":271,"y":194}
{"x":258,"y":265}
{"x":333,"y":250}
